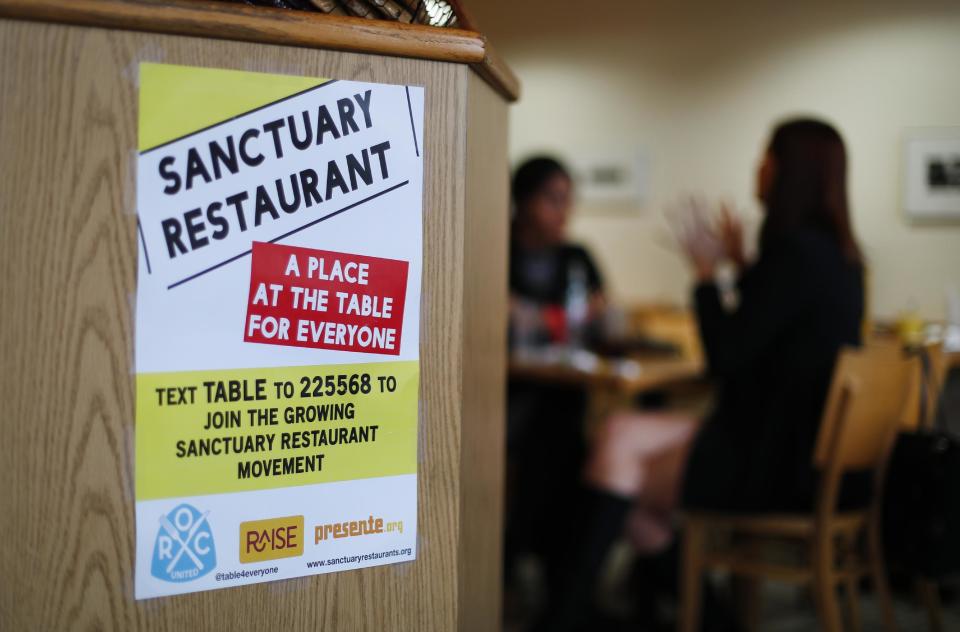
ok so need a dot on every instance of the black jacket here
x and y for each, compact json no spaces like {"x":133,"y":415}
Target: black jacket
{"x":773,"y":358}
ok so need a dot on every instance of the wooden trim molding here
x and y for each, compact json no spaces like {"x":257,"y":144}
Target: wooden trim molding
{"x":235,"y":21}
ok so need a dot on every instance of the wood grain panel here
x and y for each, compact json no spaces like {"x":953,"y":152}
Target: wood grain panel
{"x":484,"y":347}
{"x":277,"y":26}
{"x":67,"y":260}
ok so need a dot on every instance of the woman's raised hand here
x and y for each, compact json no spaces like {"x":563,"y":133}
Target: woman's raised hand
{"x":730,"y":231}
{"x":697,"y":236}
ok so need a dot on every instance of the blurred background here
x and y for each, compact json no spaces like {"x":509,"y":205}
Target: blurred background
{"x":690,"y":91}
{"x":652,"y":110}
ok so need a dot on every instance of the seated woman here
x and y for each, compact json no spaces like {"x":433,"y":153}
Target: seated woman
{"x":555,"y":294}
{"x":772,"y":358}
{"x":545,"y":267}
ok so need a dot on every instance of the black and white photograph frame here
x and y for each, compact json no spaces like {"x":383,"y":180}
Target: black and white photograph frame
{"x":931,"y":174}
{"x":611,"y":178}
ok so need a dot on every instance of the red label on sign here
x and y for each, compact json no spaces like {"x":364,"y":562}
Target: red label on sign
{"x":301,"y":297}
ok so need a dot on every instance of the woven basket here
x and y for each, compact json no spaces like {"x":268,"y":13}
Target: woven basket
{"x":432,"y":12}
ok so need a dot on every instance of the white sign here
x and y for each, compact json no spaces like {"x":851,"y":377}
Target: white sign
{"x":277,"y":330}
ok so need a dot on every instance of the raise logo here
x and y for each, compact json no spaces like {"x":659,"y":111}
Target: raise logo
{"x":184,"y":548}
{"x":271,"y":539}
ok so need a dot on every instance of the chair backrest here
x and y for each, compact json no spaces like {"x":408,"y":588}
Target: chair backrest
{"x":862,"y":413}
{"x":924,"y":388}
{"x":671,"y":324}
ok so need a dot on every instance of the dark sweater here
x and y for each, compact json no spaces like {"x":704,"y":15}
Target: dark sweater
{"x":542,"y":276}
{"x":773,"y":358}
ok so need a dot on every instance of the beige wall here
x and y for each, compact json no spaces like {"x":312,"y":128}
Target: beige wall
{"x":698,"y":87}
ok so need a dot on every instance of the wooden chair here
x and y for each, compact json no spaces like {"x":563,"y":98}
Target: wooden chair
{"x":671,"y":324}
{"x":859,"y":424}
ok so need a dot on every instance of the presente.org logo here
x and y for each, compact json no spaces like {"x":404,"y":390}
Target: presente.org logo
{"x":354,"y":528}
{"x":271,"y":539}
{"x":184,"y":548}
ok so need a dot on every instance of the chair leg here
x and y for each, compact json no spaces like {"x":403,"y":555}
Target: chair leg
{"x":878,"y":572}
{"x":929,"y":594}
{"x":851,"y":586}
{"x":691,"y":576}
{"x":747,"y":589}
{"x":746,"y":592}
{"x":825,"y":585}
{"x":852,"y":590}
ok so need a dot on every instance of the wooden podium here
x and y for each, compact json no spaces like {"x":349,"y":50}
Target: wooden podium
{"x":68,"y":94}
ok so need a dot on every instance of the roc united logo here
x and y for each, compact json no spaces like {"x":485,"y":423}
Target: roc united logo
{"x":184,"y":548}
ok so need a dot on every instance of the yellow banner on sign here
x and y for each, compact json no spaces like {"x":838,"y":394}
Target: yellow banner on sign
{"x":179,"y":100}
{"x":211,"y":432}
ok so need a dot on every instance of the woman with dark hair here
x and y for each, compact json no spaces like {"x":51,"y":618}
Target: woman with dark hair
{"x":543,"y":264}
{"x":555,"y":294}
{"x":799,"y":304}
{"x":772,"y":358}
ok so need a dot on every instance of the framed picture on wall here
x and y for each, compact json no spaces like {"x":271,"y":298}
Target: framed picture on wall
{"x":611,"y":178}
{"x":931,"y":174}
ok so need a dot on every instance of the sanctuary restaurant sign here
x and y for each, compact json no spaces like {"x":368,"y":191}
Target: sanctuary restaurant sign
{"x":277,"y":328}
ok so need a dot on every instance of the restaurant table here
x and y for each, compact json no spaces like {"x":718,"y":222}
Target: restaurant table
{"x":640,"y":374}
{"x":611,"y":383}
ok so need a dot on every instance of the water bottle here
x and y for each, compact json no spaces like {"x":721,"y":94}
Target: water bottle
{"x":577,"y":304}
{"x":951,"y":342}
